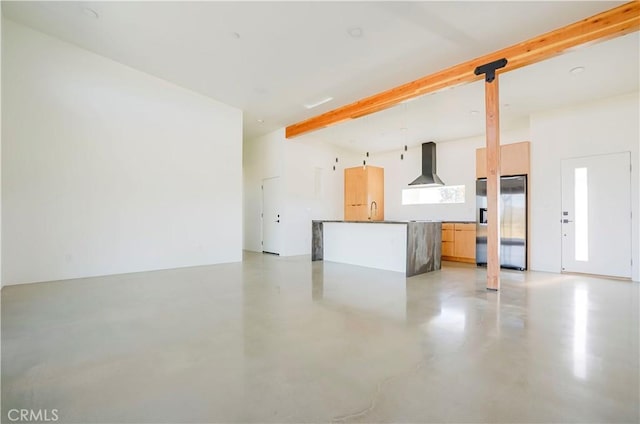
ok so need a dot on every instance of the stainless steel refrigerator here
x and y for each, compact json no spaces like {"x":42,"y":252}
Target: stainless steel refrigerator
{"x":513,"y":222}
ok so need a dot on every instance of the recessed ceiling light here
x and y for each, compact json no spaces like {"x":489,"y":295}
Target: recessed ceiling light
{"x":90,"y":12}
{"x":260,"y":121}
{"x":474,"y":112}
{"x":355,"y":32}
{"x":577,"y":70}
{"x":318,"y":103}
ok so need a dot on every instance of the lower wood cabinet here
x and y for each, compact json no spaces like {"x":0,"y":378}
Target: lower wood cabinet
{"x":459,"y":242}
{"x":447,"y":240}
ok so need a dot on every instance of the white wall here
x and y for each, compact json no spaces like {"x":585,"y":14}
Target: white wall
{"x":310,"y":188}
{"x":456,"y":163}
{"x":109,"y":170}
{"x":604,"y":126}
{"x":313,"y":190}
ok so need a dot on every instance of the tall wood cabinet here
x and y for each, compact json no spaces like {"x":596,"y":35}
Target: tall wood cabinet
{"x":364,"y":194}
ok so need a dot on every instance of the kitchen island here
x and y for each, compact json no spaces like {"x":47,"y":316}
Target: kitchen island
{"x":410,"y":247}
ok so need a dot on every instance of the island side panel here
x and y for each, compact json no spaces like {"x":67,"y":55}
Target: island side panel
{"x":379,"y":245}
{"x":424,"y":241}
{"x":317,"y":241}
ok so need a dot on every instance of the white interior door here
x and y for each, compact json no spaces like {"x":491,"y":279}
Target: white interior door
{"x":271,"y":215}
{"x":596,"y":215}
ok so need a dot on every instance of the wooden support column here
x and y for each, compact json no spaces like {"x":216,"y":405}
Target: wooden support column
{"x":492,"y":106}
{"x":493,"y":184}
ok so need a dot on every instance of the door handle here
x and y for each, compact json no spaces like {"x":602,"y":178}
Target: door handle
{"x":277,"y":220}
{"x":566,"y":221}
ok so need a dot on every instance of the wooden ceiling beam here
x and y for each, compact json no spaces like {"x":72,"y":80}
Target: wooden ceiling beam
{"x":612,"y":23}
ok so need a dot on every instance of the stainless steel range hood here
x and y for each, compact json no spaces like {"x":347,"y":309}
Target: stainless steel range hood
{"x":428,"y":176}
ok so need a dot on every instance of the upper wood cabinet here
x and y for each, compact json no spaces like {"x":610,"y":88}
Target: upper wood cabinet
{"x":355,"y":190}
{"x":514,"y":160}
{"x":364,"y":194}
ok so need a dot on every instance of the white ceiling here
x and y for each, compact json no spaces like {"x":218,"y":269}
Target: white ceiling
{"x":610,"y":68}
{"x":291,"y":53}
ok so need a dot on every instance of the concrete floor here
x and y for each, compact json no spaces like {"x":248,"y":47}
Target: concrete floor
{"x":286,"y":340}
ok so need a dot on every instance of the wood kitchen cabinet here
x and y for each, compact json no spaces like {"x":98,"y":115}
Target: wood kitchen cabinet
{"x":514,"y":159}
{"x":459,"y":242}
{"x":356,"y":213}
{"x":364,"y":194}
{"x":447,"y":240}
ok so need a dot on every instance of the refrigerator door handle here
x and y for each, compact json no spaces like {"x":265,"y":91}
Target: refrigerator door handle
{"x":483,"y":215}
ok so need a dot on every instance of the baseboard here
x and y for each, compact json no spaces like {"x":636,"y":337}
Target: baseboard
{"x":458,"y":259}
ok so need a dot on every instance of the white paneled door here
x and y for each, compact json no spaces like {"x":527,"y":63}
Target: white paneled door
{"x":596,"y":215}
{"x":271,"y":215}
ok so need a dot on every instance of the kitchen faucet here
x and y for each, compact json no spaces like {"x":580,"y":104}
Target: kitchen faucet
{"x":371,"y":209}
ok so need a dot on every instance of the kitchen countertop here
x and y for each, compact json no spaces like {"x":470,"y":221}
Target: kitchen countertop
{"x":370,"y":222}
